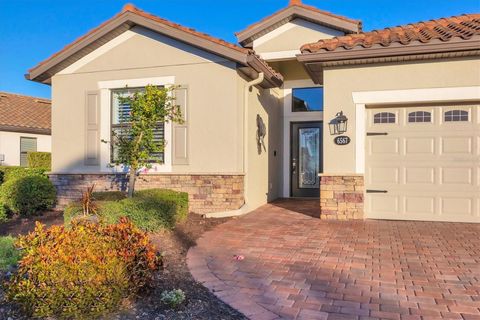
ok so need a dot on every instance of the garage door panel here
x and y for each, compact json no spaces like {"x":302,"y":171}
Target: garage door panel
{"x":379,"y":175}
{"x":457,"y":145}
{"x":389,"y":146}
{"x":382,"y":204}
{"x":429,"y":171}
{"x":462,"y":176}
{"x":418,"y":175}
{"x":420,"y":205}
{"x":423,"y":146}
{"x":457,"y":206}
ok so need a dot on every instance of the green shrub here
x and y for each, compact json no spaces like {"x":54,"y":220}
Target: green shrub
{"x":28,"y":195}
{"x":109,"y":196}
{"x":81,"y":272}
{"x":150,"y":210}
{"x":9,"y":173}
{"x":173,"y":298}
{"x":4,"y":214}
{"x":41,"y":160}
{"x":9,"y":255}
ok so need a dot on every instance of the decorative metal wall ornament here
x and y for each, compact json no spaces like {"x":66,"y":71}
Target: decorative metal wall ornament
{"x":261,"y":133}
{"x":339,"y":124}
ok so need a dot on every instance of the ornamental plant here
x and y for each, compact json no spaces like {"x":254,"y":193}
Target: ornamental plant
{"x":81,"y":272}
{"x":135,"y":141}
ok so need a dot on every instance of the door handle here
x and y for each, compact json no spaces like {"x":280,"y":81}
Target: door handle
{"x":377,"y":191}
{"x":294,"y":165}
{"x":377,"y":134}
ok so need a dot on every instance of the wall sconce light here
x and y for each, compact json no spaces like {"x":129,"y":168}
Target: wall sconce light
{"x":339,"y":124}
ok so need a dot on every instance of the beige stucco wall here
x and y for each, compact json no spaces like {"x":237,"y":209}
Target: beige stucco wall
{"x":292,"y":36}
{"x":264,"y":172}
{"x":214,"y":113}
{"x":340,"y":82}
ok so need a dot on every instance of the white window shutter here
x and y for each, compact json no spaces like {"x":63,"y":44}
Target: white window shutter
{"x":180,"y":144}
{"x":92,"y":133}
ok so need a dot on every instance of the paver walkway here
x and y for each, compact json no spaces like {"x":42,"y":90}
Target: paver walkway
{"x":298,"y":267}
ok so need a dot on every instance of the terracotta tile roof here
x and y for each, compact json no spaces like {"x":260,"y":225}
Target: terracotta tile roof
{"x":20,"y":112}
{"x":299,"y":4}
{"x":131,"y":8}
{"x":445,"y":29}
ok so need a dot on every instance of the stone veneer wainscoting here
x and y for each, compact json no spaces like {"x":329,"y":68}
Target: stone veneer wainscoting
{"x":208,"y":193}
{"x":341,"y":197}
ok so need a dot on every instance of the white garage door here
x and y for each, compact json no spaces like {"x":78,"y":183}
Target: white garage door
{"x":423,"y":163}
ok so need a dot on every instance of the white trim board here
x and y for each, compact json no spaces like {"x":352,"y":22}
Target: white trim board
{"x":105,"y":88}
{"x":364,"y":98}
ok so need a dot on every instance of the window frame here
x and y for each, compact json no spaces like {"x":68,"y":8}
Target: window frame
{"x":460,"y":116}
{"x":125,"y":125}
{"x":26,"y":152}
{"x":415,"y":115}
{"x":304,"y":88}
{"x":388,"y":114}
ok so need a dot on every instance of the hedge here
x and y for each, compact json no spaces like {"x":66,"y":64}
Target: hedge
{"x":150,"y":210}
{"x":8,"y":173}
{"x":41,"y":160}
{"x":28,"y":195}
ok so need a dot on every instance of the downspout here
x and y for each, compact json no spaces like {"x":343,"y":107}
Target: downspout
{"x":248,"y":85}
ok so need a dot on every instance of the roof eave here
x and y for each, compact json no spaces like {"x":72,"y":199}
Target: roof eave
{"x":132,"y":18}
{"x":30,"y":130}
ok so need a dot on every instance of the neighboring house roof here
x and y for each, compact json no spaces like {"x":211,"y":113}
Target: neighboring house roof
{"x":24,"y":114}
{"x":297,"y":9}
{"x":130,"y":17}
{"x":442,"y":38}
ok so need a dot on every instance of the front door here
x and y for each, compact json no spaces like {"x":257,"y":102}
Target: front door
{"x":306,"y":159}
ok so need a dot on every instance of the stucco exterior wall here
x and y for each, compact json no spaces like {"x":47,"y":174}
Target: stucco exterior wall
{"x":10,"y":145}
{"x":292,"y":36}
{"x":214,"y":114}
{"x":263,"y":172}
{"x":340,"y":82}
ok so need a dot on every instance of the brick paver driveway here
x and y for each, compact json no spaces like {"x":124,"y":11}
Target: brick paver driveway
{"x":298,"y":267}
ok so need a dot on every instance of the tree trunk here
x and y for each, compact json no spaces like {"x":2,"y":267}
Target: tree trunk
{"x":131,"y":181}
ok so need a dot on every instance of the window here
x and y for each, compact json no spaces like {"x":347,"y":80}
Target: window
{"x":120,"y":121}
{"x":26,"y":145}
{"x":420,"y":116}
{"x":384,"y":117}
{"x":307,"y":99}
{"x":456,"y":115}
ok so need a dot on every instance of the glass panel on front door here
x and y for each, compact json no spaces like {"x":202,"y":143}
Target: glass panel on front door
{"x":306,"y":159}
{"x":309,"y":157}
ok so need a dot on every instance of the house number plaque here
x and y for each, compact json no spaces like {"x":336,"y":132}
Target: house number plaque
{"x":342,"y":140}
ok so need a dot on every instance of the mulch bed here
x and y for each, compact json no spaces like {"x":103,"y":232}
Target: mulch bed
{"x":173,"y":244}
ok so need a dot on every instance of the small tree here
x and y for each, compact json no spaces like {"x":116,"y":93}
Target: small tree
{"x":134,"y":142}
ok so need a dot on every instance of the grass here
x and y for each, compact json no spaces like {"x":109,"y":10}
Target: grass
{"x":150,"y":210}
{"x":9,"y":256}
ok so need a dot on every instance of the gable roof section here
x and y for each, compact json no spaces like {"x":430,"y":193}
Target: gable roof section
{"x":446,"y":30}
{"x":26,"y":114}
{"x":130,"y":17}
{"x":297,"y":9}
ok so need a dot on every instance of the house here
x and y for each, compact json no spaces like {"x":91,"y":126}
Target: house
{"x":382,"y":124}
{"x":25,"y":124}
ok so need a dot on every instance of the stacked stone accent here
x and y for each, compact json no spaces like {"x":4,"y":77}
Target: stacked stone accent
{"x":341,"y":197}
{"x":207,"y":193}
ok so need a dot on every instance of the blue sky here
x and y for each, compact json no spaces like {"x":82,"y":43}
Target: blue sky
{"x":32,"y":30}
